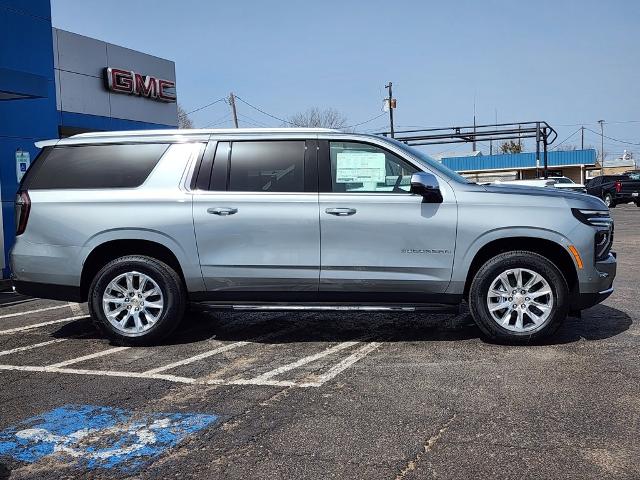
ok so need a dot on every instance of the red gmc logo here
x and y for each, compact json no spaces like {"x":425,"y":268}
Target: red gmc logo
{"x":132,"y":83}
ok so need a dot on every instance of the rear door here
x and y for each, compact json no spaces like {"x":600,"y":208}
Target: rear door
{"x":255,"y":213}
{"x":376,"y":237}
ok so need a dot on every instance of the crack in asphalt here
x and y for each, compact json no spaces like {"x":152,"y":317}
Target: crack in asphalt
{"x":427,"y":447}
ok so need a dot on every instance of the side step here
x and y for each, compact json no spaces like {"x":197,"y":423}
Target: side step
{"x":322,"y":307}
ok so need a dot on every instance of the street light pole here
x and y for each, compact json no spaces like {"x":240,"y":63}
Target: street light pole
{"x":601,"y":122}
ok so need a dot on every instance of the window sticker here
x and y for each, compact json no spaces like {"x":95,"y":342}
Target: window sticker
{"x":360,"y":167}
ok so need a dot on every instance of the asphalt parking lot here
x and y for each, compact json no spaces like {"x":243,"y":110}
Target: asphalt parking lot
{"x":324,"y":395}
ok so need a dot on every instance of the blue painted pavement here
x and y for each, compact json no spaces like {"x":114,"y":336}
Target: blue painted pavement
{"x":100,"y":437}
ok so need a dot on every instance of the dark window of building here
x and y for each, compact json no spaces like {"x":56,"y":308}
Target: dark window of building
{"x":273,"y":166}
{"x":95,"y":166}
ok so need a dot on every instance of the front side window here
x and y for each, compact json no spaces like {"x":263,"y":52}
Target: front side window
{"x":365,"y":168}
{"x":271,"y":166}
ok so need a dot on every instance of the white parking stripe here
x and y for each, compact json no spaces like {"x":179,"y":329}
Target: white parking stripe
{"x":28,"y":312}
{"x":99,"y":373}
{"x":195,"y":358}
{"x":222,"y":349}
{"x":155,"y":376}
{"x":43,"y":324}
{"x":88,"y":357}
{"x":304,"y":361}
{"x":346,"y":363}
{"x":29,"y":347}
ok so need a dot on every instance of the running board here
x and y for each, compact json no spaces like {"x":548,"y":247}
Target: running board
{"x":440,"y":308}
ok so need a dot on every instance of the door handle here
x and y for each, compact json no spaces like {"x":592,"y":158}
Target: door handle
{"x":222,"y":211}
{"x":341,"y":212}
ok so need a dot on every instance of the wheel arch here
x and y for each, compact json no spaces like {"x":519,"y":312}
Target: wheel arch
{"x":112,"y":249}
{"x":553,"y":251}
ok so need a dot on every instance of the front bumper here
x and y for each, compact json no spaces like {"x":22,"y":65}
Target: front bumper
{"x":599,"y":287}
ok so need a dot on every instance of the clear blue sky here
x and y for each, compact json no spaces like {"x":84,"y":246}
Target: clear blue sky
{"x":566,"y":62}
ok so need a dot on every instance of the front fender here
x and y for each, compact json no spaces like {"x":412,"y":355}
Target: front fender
{"x":465,"y":256}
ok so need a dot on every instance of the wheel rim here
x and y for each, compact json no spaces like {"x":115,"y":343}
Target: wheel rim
{"x":132,"y":303}
{"x":607,"y":200}
{"x":520,"y":300}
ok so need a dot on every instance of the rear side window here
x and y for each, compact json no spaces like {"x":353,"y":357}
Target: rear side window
{"x":94,"y":166}
{"x":272,"y":166}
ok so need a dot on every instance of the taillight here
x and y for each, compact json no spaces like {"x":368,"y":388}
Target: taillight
{"x":618,"y":186}
{"x":23,"y":206}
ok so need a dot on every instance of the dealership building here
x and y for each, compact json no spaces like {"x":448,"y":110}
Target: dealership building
{"x":55,"y":83}
{"x":578,"y":165}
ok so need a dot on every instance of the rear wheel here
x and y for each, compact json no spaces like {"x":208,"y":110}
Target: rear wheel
{"x":518,"y":297}
{"x":608,"y":200}
{"x":137,"y":300}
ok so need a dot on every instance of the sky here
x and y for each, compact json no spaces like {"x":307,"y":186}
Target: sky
{"x":570,"y":63}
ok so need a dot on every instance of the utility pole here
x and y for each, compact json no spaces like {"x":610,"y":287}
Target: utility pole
{"x":582,"y":138}
{"x":391,"y":103}
{"x":601,"y":122}
{"x":232,"y":102}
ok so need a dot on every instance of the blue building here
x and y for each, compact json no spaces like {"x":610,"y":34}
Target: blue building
{"x":55,"y":83}
{"x":578,"y":165}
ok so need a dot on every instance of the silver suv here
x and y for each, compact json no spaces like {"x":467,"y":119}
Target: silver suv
{"x":140,"y":223}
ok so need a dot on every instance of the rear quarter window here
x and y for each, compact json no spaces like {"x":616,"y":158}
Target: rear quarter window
{"x":94,"y":166}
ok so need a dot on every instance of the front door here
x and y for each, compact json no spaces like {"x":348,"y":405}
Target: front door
{"x":376,"y":237}
{"x":256,"y":223}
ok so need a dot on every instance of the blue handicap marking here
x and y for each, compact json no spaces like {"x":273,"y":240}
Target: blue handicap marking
{"x":95,"y":436}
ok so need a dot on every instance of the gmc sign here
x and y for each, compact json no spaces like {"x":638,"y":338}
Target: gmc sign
{"x":132,"y":83}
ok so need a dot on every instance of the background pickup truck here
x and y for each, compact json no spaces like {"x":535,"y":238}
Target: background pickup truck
{"x":615,"y":189}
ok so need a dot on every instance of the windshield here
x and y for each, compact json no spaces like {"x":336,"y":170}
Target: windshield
{"x":429,"y":162}
{"x":563,"y":180}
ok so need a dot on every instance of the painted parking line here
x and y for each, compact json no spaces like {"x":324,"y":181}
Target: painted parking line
{"x":346,"y":363}
{"x":91,"y":437}
{"x":88,"y":357}
{"x":222,"y":349}
{"x":39,"y":310}
{"x":29,"y":347}
{"x":42,"y":324}
{"x":303,"y":361}
{"x":99,"y":373}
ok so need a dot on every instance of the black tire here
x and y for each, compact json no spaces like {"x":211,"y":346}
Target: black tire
{"x":509,"y":260}
{"x":173,"y":294}
{"x":608,"y":200}
{"x":637,"y":204}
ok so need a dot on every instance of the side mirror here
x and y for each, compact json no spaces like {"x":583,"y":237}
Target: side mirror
{"x":426,"y":184}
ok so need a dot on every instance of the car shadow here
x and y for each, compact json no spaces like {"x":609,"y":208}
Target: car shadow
{"x":200,"y":324}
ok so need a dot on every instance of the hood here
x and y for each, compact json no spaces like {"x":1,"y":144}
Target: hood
{"x":593,"y":202}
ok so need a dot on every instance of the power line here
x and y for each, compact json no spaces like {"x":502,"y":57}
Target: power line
{"x":253,"y":120}
{"x":296,"y":125}
{"x":265,"y":113}
{"x":218,"y":121}
{"x":611,"y":138}
{"x":567,"y":138}
{"x":202,"y":108}
{"x":366,"y":121}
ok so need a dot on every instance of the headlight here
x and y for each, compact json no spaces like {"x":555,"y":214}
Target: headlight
{"x":595,"y":218}
{"x":603,"y":242}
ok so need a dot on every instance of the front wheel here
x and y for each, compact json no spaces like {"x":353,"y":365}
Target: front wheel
{"x":518,"y":297}
{"x":608,"y":200}
{"x":137,"y":300}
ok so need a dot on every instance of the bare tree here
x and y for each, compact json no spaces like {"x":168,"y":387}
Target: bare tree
{"x":510,"y":146}
{"x":183,"y":118}
{"x":567,"y":148}
{"x":317,"y":118}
